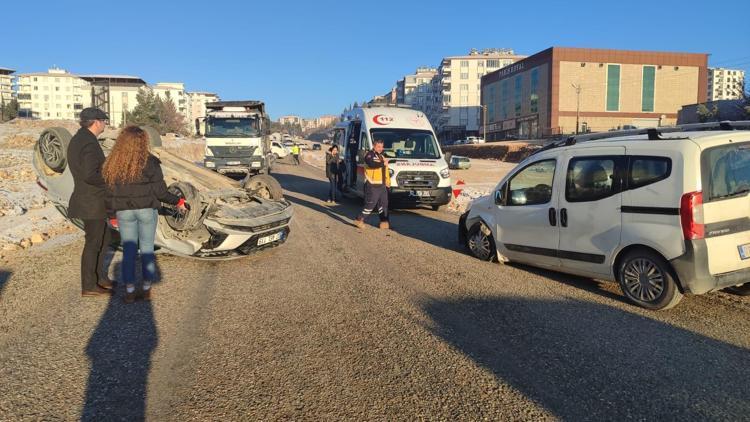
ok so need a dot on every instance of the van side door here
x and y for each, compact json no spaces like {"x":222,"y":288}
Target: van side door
{"x":525,"y":216}
{"x":589,"y":208}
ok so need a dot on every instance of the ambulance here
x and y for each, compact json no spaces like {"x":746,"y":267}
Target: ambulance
{"x":418,"y":169}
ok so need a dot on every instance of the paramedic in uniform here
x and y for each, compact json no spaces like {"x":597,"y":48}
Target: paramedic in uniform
{"x":377,"y":181}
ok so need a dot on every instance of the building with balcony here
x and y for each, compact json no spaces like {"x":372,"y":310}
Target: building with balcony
{"x":56,"y":94}
{"x":6,"y":85}
{"x":176,"y":92}
{"x":114,"y":94}
{"x":569,"y":90}
{"x":416,"y":90}
{"x":455,"y":107}
{"x":725,"y":84}
{"x":290,"y":120}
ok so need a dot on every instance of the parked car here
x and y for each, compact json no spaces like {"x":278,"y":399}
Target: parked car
{"x":288,"y":143}
{"x":662,"y":214}
{"x":227,"y":219}
{"x":473,"y":140}
{"x":316,"y":147}
{"x":278,"y":150}
{"x":459,"y":163}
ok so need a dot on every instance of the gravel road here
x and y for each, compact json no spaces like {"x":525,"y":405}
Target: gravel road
{"x":339,"y":324}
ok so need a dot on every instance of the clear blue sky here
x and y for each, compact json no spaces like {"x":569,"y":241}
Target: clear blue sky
{"x":315,"y":57}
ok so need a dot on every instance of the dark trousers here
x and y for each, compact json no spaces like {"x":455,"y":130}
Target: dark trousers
{"x":333,"y":182}
{"x":353,"y":171}
{"x":296,"y":158}
{"x":376,"y":201}
{"x":97,"y":238}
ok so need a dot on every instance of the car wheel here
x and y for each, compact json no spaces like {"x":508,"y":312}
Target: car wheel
{"x":647,"y":280}
{"x":480,"y":242}
{"x":275,"y":156}
{"x":742,"y":290}
{"x":192,"y":217}
{"x":264,"y":186}
{"x":52,"y":147}
{"x":435,"y":207}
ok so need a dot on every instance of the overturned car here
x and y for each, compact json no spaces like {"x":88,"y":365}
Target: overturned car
{"x":227,"y":218}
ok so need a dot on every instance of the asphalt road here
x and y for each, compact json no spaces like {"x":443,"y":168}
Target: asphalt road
{"x":339,"y":324}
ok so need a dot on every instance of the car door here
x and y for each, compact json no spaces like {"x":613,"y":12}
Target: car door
{"x":526,"y":217}
{"x":589,"y":208}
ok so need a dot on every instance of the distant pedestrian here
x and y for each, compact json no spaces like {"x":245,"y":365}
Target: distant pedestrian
{"x":377,"y":181}
{"x":295,"y":154}
{"x":136,"y":189}
{"x":85,"y":158}
{"x":333,"y":172}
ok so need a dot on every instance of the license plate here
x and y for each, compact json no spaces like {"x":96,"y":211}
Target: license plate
{"x":271,"y":238}
{"x":255,"y":164}
{"x":744,"y":251}
{"x":233,"y":163}
{"x":419,"y":193}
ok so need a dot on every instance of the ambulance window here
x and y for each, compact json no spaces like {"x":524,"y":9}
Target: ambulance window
{"x":364,"y":144}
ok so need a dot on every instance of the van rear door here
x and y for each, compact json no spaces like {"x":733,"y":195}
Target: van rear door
{"x":725,"y":172}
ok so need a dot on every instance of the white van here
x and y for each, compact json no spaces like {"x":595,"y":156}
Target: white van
{"x":419,"y":171}
{"x":663,"y":212}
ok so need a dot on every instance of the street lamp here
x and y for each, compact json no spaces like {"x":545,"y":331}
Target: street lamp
{"x":484,"y":122}
{"x":578,"y":104}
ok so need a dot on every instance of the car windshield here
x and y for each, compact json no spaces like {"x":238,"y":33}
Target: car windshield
{"x":728,"y":170}
{"x":228,"y":128}
{"x":407,"y":143}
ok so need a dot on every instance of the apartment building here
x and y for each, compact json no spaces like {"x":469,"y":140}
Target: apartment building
{"x":114,"y":94}
{"x":565,"y":90}
{"x":56,"y":94}
{"x":6,"y":85}
{"x":725,"y":84}
{"x":197,"y":109}
{"x":176,"y":92}
{"x":416,"y":90}
{"x":292,"y":120}
{"x":455,"y":107}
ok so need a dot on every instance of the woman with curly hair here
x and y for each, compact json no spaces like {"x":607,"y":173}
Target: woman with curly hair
{"x":136,"y":190}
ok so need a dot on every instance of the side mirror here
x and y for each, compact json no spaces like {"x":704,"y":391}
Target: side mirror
{"x":499,"y":197}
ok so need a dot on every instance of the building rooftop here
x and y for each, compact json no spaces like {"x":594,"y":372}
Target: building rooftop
{"x":113,"y":79}
{"x":6,"y":70}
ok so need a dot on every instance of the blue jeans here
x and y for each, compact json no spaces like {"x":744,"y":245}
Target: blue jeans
{"x":137,"y":232}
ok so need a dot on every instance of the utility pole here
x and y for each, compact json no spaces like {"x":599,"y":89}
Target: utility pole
{"x":578,"y":104}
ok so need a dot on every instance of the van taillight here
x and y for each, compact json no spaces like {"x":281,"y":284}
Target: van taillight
{"x":691,"y":215}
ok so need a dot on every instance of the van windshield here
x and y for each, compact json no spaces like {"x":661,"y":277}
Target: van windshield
{"x":407,"y":143}
{"x":728,"y":168}
{"x":232,"y":128}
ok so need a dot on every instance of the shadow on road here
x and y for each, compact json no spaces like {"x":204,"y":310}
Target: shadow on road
{"x":585,"y":361}
{"x":4,"y":278}
{"x":120,"y":354}
{"x":403,"y":221}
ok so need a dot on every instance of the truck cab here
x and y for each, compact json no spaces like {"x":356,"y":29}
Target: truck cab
{"x":418,"y":169}
{"x":236,"y":137}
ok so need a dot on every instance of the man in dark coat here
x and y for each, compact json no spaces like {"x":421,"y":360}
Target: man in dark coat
{"x":85,"y":159}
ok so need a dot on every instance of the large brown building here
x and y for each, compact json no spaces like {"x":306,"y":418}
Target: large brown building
{"x":547,"y":93}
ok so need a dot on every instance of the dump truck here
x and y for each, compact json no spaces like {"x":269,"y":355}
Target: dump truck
{"x":237,"y":135}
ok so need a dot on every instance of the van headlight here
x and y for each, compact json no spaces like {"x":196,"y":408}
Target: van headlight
{"x":445,"y":173}
{"x":391,"y":172}
{"x":208,"y":152}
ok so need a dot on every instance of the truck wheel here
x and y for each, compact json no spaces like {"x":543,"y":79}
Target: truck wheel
{"x":742,"y":290}
{"x":264,"y":186}
{"x":52,"y":147}
{"x":480,"y":242}
{"x":192,"y":217}
{"x":647,"y":280}
{"x":153,"y":136}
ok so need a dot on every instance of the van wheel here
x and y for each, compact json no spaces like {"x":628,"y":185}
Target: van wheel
{"x":647,"y":280}
{"x":480,"y":242}
{"x":435,"y":207}
{"x":742,"y":290}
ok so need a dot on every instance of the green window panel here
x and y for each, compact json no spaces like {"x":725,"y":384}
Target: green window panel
{"x":534,"y":90}
{"x":613,"y":87}
{"x":518,"y":89}
{"x":649,"y":82}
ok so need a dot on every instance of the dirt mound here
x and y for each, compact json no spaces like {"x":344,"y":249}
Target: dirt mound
{"x":20,"y":123}
{"x":509,"y":152}
{"x":20,"y":141}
